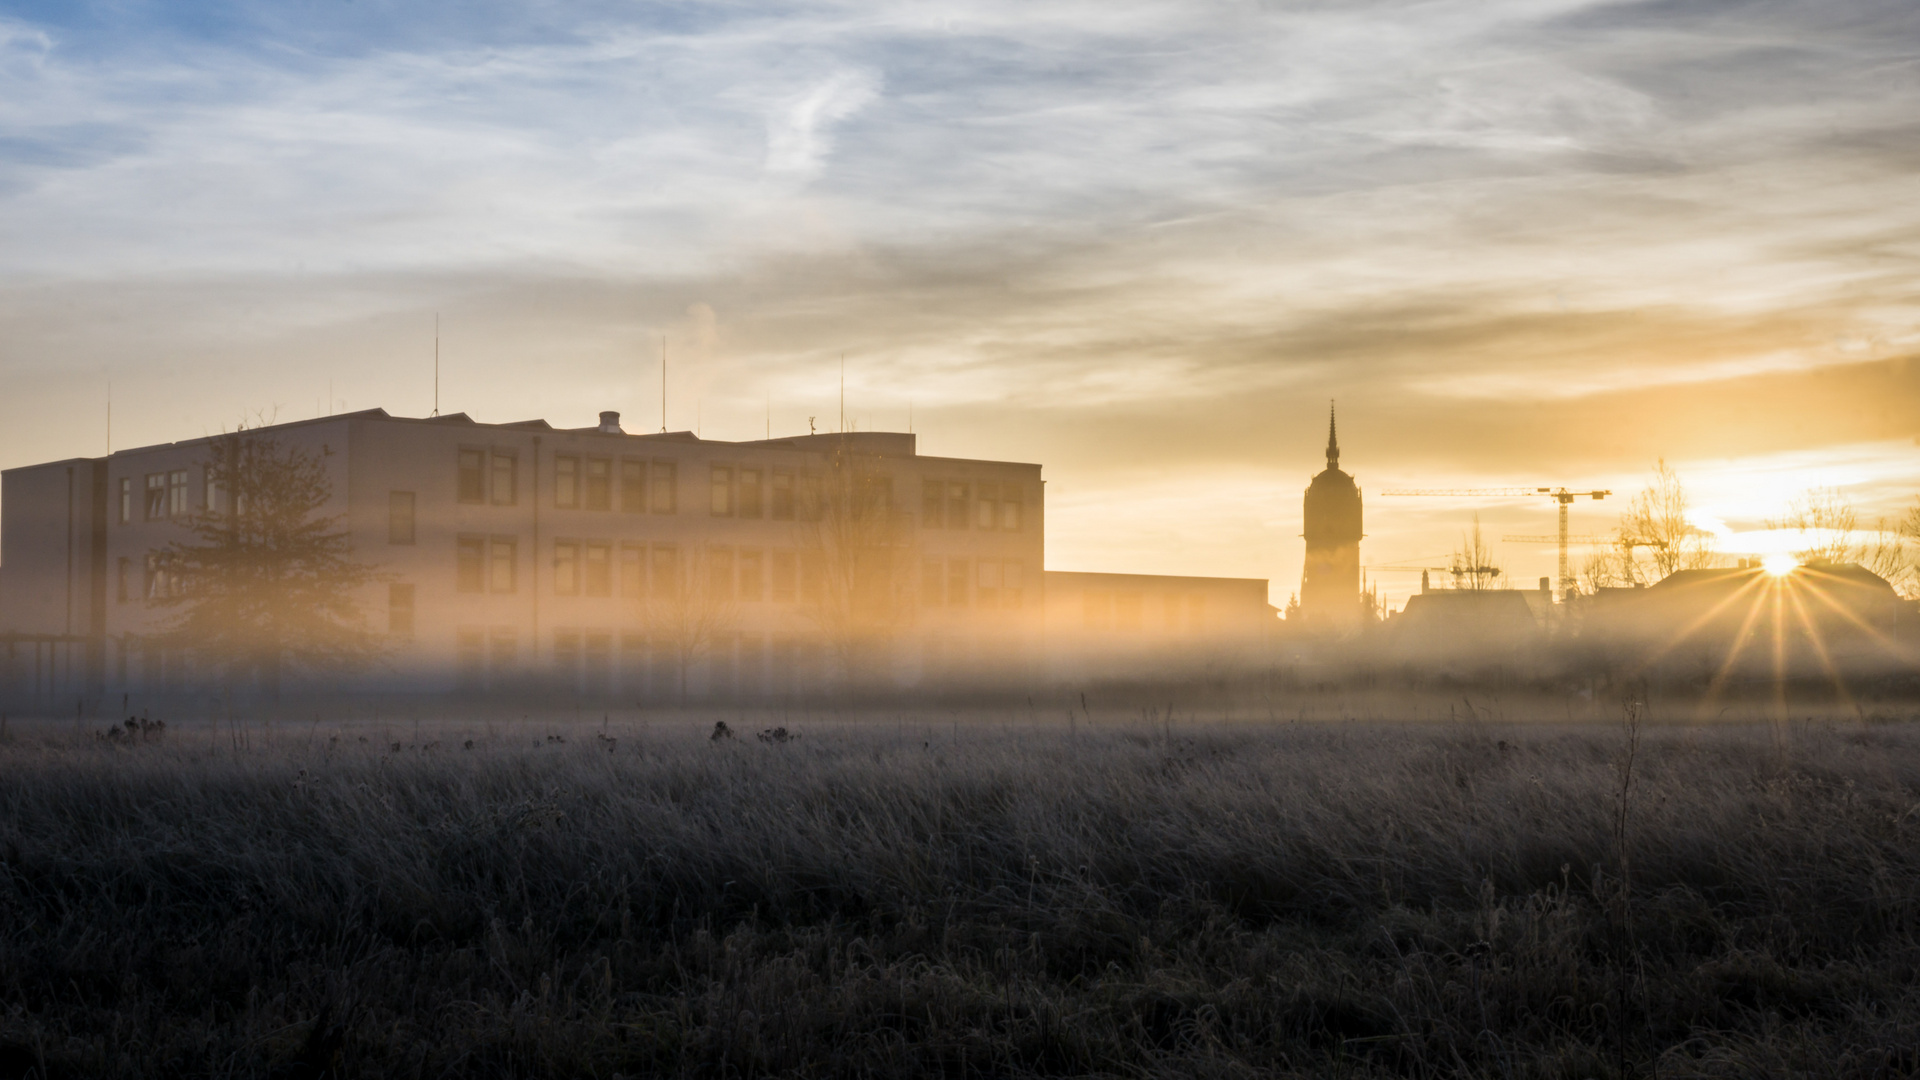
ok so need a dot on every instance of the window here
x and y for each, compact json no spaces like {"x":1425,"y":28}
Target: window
{"x":983,"y":509}
{"x":156,"y":504}
{"x":633,"y":571}
{"x":933,"y":582}
{"x":633,"y":486}
{"x":782,"y":508}
{"x":566,"y":568}
{"x":400,"y":610}
{"x":1012,"y":584}
{"x":177,"y":493}
{"x":751,"y":584}
{"x":126,"y":499}
{"x":210,"y":490}
{"x":783,"y":577}
{"x":162,"y":582}
{"x":505,"y":470}
{"x":665,"y":485}
{"x":399,"y":517}
{"x":933,"y":504}
{"x":473,"y":476}
{"x":1010,"y":507}
{"x":720,"y":573}
{"x":957,"y":583}
{"x":502,"y":565}
{"x":596,"y":574}
{"x":956,"y":505}
{"x":599,"y":492}
{"x":125,"y":571}
{"x":470,"y":564}
{"x":988,"y":593}
{"x":749,"y":493}
{"x":566,"y":482}
{"x":722,"y":491}
{"x":666,"y":572}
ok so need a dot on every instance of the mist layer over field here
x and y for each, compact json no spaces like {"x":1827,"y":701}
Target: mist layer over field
{"x":962,"y":895}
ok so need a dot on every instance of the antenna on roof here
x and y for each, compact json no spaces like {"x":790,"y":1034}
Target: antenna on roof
{"x":663,"y":384}
{"x":436,"y":363}
{"x":843,"y":393}
{"x":769,"y":414}
{"x":109,"y":415}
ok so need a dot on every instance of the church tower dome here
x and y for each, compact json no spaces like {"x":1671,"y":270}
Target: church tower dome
{"x":1330,"y":585}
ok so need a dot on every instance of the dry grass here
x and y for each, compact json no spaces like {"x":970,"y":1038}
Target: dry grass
{"x":962,"y":899}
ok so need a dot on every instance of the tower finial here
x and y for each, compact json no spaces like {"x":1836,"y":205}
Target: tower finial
{"x":1333,"y":440}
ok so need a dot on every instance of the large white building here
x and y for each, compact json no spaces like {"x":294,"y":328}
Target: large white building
{"x":589,"y":562}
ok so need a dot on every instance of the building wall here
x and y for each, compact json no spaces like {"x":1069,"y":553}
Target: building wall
{"x":1151,"y":625}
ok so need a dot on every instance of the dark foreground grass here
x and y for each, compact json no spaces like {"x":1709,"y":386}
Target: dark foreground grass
{"x":1334,"y":900}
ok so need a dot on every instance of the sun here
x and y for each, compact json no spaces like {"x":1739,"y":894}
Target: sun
{"x":1779,"y":564}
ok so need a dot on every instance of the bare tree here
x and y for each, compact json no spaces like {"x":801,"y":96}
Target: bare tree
{"x":1472,"y":565}
{"x":856,"y":550}
{"x":687,"y":613}
{"x":1657,"y":520}
{"x":266,"y":582}
{"x":1828,"y":529}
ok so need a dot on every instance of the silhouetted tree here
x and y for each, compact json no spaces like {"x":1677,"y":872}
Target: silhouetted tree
{"x":856,"y":550}
{"x":1657,"y":520}
{"x":1472,"y":565}
{"x":266,"y":582}
{"x":687,"y":614}
{"x":1827,"y":529}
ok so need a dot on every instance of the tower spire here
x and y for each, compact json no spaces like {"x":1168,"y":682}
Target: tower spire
{"x":1333,"y":440}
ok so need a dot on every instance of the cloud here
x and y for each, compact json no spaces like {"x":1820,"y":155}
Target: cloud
{"x":798,"y":130}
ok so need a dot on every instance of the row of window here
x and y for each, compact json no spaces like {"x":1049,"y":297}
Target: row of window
{"x":958,"y":504}
{"x":158,"y":579}
{"x":988,"y":583}
{"x":164,"y":496}
{"x":599,"y":661}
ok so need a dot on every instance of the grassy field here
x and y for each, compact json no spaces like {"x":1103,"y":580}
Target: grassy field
{"x":967,"y":896}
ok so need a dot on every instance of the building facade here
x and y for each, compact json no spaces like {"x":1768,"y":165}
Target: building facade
{"x":586,"y":561}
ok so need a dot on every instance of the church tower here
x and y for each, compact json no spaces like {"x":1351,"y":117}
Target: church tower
{"x":1330,"y":587}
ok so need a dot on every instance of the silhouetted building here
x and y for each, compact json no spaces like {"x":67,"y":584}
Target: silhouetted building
{"x":584,"y":561}
{"x":1330,"y":586}
{"x":1153,"y":625}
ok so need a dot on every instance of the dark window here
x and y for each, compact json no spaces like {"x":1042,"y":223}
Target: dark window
{"x":988,"y":593}
{"x":665,"y":493}
{"x":596,"y":574}
{"x":126,"y":499}
{"x":633,"y":487}
{"x":400,"y":610}
{"x":633,"y":571}
{"x":666,"y":572}
{"x":722,"y":499}
{"x":956,"y":505}
{"x":470,"y":564}
{"x":720,"y":573}
{"x":156,"y":503}
{"x":1010,"y":506}
{"x":566,"y":482}
{"x":749,"y":493}
{"x":599,"y":488}
{"x":782,"y":508}
{"x":989,"y":501}
{"x":933,"y":504}
{"x":473,"y":476}
{"x":505,"y":487}
{"x":502,"y":566}
{"x":566,"y":568}
{"x":399,"y":517}
{"x":751,"y":586}
{"x":177,"y":493}
{"x":126,"y":571}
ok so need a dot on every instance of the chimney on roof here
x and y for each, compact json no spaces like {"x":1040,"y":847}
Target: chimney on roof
{"x":610,"y":423}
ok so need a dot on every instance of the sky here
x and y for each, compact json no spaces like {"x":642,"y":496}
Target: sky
{"x":1520,"y":242}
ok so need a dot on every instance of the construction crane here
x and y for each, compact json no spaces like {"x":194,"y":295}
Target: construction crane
{"x":1560,"y":495}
